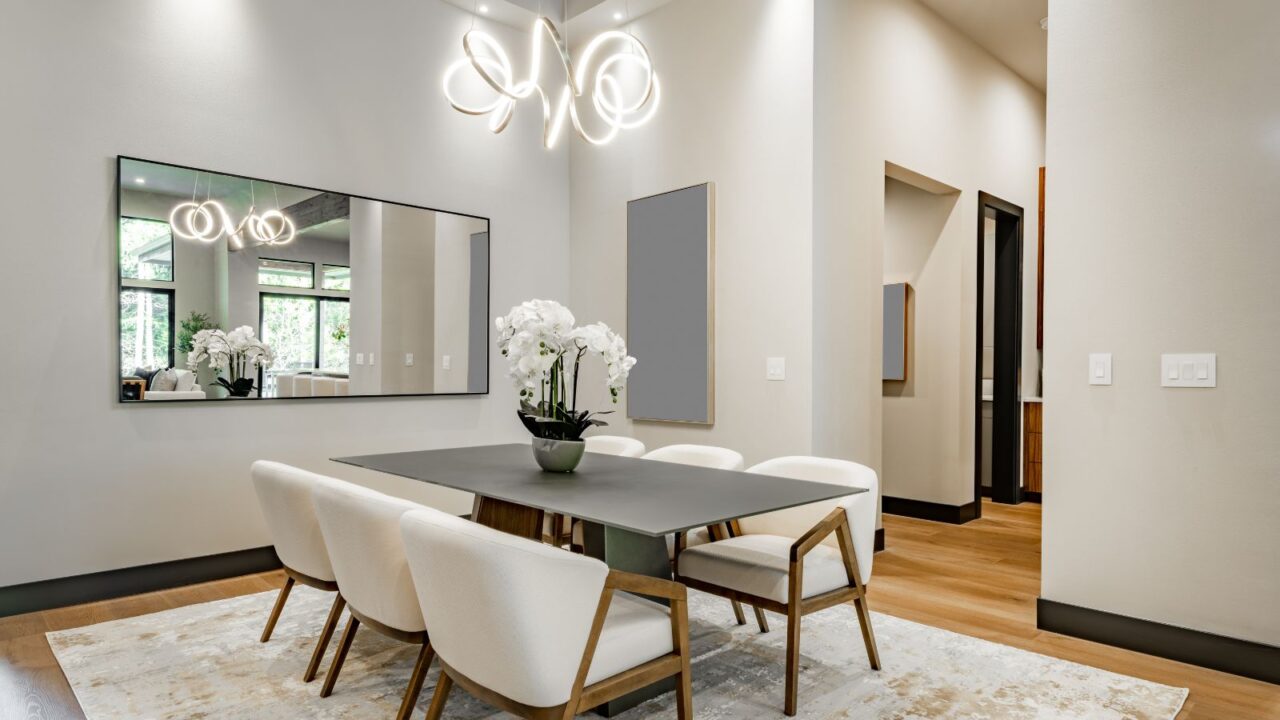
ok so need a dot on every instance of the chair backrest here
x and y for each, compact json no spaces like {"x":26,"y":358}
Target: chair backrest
{"x":361,"y":529}
{"x":615,"y":445}
{"x":284,"y":494}
{"x":702,"y":455}
{"x":508,"y":613}
{"x":794,"y":522}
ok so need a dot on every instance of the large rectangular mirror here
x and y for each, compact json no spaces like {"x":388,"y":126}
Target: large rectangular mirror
{"x":234,"y":288}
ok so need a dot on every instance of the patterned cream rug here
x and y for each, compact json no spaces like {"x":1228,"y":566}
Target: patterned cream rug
{"x":205,"y":661}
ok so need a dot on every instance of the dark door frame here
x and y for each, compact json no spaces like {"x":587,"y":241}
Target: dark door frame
{"x":1006,"y":408}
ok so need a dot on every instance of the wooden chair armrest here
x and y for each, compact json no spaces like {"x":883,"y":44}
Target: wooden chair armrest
{"x":818,"y":533}
{"x":645,"y":585}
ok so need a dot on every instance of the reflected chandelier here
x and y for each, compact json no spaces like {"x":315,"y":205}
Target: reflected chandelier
{"x":491,"y":63}
{"x":208,"y":220}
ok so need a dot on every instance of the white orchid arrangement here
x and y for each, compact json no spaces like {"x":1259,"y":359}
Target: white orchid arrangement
{"x":538,"y":337}
{"x":237,"y":352}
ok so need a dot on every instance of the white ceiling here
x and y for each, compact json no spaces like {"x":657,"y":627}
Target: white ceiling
{"x":1008,"y":29}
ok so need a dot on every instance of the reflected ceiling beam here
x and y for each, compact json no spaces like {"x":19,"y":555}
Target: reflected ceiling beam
{"x":318,"y":210}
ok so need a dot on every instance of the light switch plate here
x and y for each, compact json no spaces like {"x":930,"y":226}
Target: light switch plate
{"x":775,"y":368}
{"x":359,"y":358}
{"x":1099,"y":368}
{"x":408,"y":359}
{"x":445,"y":362}
{"x":1189,"y":370}
{"x":370,"y":358}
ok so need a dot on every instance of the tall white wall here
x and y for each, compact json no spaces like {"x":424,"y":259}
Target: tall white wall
{"x":1163,"y":165}
{"x":323,"y":93}
{"x":895,"y":83}
{"x":736,"y":110}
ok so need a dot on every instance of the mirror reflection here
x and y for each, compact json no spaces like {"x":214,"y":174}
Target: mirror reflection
{"x":235,"y":288}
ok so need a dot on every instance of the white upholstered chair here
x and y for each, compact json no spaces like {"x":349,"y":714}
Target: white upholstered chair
{"x":361,"y":529}
{"x":605,"y":445}
{"x":536,"y":631}
{"x":800,"y":560}
{"x":323,"y":386}
{"x":302,"y":385}
{"x":615,"y":445}
{"x":284,"y":385}
{"x":284,"y":494}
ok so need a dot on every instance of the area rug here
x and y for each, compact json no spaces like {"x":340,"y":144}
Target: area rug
{"x":205,"y":661}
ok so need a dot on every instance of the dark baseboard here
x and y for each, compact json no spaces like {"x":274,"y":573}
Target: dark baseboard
{"x":61,"y":592}
{"x":1028,"y":496}
{"x":1239,"y":657}
{"x":986,"y":491}
{"x":923,"y":510}
{"x":879,"y":539}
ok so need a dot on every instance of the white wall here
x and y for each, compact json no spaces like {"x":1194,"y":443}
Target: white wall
{"x":736,"y":110}
{"x":897,"y":84}
{"x":323,"y":93}
{"x":925,"y":245}
{"x":1163,"y":160}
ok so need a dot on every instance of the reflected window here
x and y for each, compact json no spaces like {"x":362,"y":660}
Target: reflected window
{"x":286,"y":273}
{"x":146,"y":329}
{"x":146,"y":250}
{"x":335,"y":335}
{"x":335,"y":277}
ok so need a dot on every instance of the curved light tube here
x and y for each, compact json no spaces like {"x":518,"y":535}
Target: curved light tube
{"x":490,"y":61}
{"x":208,"y":221}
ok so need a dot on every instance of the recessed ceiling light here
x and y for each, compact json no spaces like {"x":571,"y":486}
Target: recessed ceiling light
{"x":140,"y":180}
{"x":484,"y":9}
{"x":617,"y":16}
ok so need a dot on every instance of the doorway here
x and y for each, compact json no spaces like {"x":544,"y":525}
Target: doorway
{"x":997,"y":401}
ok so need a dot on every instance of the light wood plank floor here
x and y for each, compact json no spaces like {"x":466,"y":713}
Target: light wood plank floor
{"x":979,"y":579}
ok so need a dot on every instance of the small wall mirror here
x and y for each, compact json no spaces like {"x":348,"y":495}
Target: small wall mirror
{"x":234,"y":288}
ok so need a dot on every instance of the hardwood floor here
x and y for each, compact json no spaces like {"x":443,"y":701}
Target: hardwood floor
{"x":979,"y":579}
{"x":982,"y":579}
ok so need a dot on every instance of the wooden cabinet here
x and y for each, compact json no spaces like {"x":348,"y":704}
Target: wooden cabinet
{"x":1032,"y":447}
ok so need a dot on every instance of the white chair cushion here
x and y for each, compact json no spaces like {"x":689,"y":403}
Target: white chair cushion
{"x":361,"y":530}
{"x":342,"y":386}
{"x":510,"y":614}
{"x":322,"y":386}
{"x":635,"y":631}
{"x":284,"y":385}
{"x":759,"y":565}
{"x":794,"y":522}
{"x":284,"y":494}
{"x":701,"y":455}
{"x":615,"y":445}
{"x":186,"y":380}
{"x":302,"y":385}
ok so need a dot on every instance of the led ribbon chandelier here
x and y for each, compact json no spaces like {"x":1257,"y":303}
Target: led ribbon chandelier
{"x":491,"y":63}
{"x":208,"y":220}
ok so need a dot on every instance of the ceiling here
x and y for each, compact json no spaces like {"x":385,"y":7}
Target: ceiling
{"x":1008,"y":29}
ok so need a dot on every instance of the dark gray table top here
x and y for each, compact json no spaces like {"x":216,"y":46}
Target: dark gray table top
{"x":643,"y":496}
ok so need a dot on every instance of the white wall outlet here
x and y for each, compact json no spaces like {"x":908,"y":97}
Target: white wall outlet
{"x":446,"y":362}
{"x":359,"y":358}
{"x":775,"y":368}
{"x":1189,"y":370}
{"x":408,"y":359}
{"x":1099,"y":368}
{"x":370,"y":358}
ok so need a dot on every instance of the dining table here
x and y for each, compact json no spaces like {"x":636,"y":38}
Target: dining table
{"x":628,"y":507}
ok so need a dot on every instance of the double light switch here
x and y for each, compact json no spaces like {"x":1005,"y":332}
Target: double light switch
{"x":1189,"y":370}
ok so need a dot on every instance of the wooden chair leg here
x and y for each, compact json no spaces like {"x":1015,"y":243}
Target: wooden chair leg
{"x":737,"y":612}
{"x":415,"y":682}
{"x":793,"y":657}
{"x":275,"y":611}
{"x":868,"y":635}
{"x":684,"y":688}
{"x":340,"y":656}
{"x":330,"y":624}
{"x":440,"y":697}
{"x":761,"y":620}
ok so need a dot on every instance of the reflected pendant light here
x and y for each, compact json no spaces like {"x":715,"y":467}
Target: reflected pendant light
{"x":486,"y":57}
{"x":208,"y":220}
